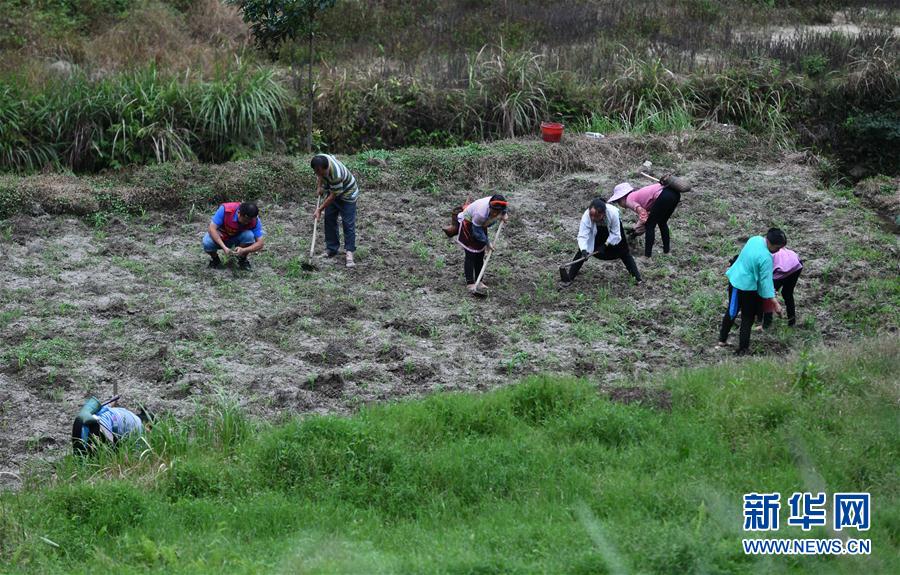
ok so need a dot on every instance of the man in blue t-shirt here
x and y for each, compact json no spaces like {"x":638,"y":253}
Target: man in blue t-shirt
{"x":236,"y":229}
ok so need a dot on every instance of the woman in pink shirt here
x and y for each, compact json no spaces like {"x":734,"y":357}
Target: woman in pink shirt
{"x":786,"y":268}
{"x":654,"y":205}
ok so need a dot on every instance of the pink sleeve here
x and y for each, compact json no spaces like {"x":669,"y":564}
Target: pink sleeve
{"x":632,"y":204}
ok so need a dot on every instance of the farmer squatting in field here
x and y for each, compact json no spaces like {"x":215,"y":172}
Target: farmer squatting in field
{"x":474,"y":222}
{"x":601,"y":235}
{"x":234,"y":224}
{"x":334,"y":178}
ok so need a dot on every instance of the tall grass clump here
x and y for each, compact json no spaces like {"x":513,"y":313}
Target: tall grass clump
{"x":646,"y":119}
{"x":759,"y":99}
{"x":506,"y":91}
{"x":643,"y":97}
{"x":138,"y":117}
{"x":239,"y":109}
{"x":21,"y":145}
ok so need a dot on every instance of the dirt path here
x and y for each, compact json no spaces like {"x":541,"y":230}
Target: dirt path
{"x":84,"y":304}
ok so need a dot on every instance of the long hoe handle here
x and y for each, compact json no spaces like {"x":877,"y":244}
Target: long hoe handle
{"x":110,"y":400}
{"x":312,"y":244}
{"x":649,"y":177}
{"x":488,"y":258}
{"x":584,"y":259}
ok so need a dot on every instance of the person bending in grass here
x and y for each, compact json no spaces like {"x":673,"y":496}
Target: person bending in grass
{"x":98,"y":424}
{"x":474,"y":222}
{"x":236,"y":229}
{"x":654,"y":205}
{"x":601,"y":234}
{"x":751,"y":290}
{"x":336,"y":179}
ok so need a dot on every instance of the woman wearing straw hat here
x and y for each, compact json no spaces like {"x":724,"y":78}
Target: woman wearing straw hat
{"x":654,"y":205}
{"x":474,"y":221}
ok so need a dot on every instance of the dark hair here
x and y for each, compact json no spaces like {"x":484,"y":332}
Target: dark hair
{"x":82,"y":446}
{"x":78,"y":445}
{"x":776,"y":237}
{"x":319,"y":161}
{"x":249,"y":209}
{"x":498,"y":198}
{"x":598,"y":203}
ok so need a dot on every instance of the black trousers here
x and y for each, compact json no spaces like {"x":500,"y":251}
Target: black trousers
{"x":786,"y":285}
{"x":472,"y":266}
{"x":619,"y":251}
{"x":662,"y":210}
{"x":749,"y":305}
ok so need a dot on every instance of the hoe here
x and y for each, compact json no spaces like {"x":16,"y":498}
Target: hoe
{"x":477,"y":293}
{"x":564,"y":269}
{"x":308,"y":265}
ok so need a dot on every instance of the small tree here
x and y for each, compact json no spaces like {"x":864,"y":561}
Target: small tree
{"x":275,"y":21}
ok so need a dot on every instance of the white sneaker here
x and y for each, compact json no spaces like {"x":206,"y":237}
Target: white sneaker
{"x":350,"y":262}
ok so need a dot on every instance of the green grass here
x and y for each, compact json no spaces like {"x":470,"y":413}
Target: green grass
{"x":57,"y":352}
{"x":544,"y":476}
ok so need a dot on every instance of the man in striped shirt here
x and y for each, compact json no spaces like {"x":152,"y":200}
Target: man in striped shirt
{"x":335,"y":179}
{"x":108,"y":424}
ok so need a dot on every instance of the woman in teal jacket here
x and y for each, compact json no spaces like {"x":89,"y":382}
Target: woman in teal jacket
{"x":750,"y":286}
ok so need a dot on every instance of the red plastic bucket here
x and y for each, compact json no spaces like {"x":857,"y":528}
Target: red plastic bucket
{"x":551,"y":131}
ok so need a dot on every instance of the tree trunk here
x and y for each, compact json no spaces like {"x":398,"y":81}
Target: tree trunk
{"x":309,"y":111}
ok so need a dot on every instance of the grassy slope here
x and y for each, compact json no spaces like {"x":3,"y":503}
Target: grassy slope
{"x":544,"y":476}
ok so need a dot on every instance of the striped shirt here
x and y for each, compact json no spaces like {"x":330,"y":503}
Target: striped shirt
{"x":339,"y":181}
{"x":117,"y":422}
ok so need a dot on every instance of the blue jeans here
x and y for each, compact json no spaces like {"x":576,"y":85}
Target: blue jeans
{"x":347,"y":210}
{"x":244,"y":238}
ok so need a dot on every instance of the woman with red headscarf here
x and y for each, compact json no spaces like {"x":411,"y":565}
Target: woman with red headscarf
{"x":474,"y":221}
